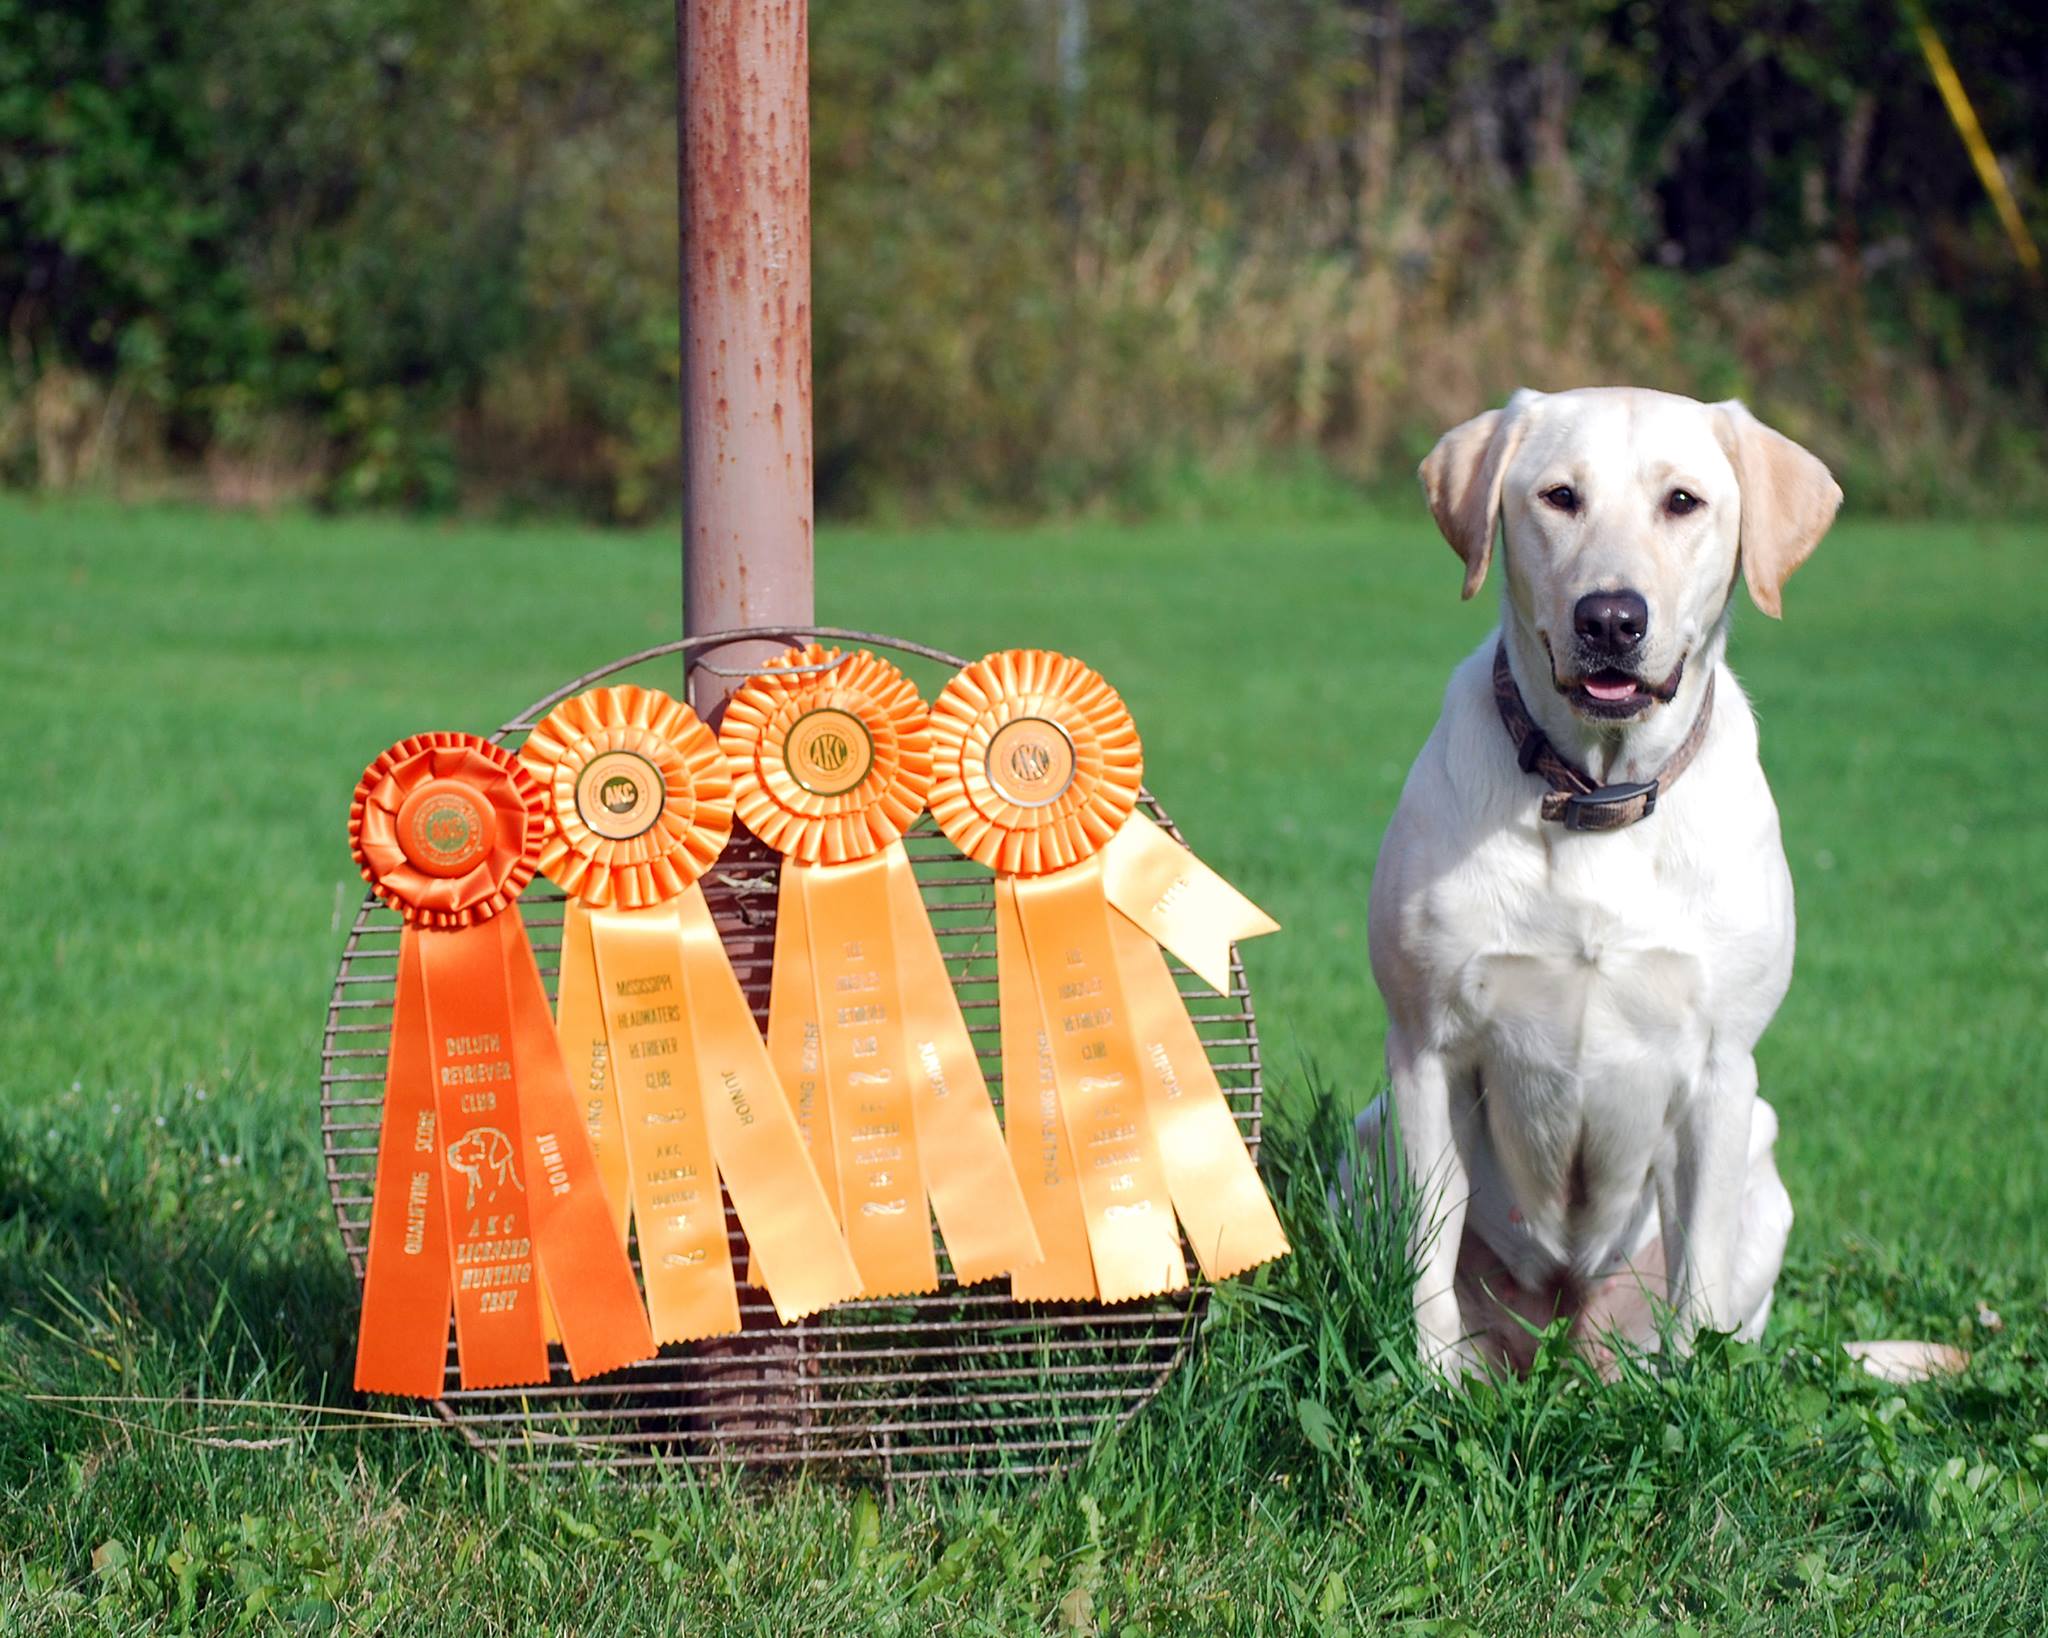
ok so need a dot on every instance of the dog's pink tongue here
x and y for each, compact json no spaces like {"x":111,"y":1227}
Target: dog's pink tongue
{"x":1618,"y":689}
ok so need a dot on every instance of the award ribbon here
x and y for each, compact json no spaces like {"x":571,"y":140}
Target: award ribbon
{"x":831,"y":760}
{"x":1116,"y":1121}
{"x":677,"y":1086}
{"x":484,"y":1171}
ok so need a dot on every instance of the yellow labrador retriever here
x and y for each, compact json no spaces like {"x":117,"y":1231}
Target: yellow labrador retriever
{"x":1581,"y":917}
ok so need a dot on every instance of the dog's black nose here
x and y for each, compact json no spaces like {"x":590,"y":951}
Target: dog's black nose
{"x":1611,"y":623}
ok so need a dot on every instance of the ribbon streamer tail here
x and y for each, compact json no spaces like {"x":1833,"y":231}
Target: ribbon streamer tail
{"x":794,"y":1046}
{"x":685,"y":1255}
{"x":1131,"y":1231}
{"x":860,"y":1000}
{"x":774,"y":1187}
{"x":974,"y":1193}
{"x":579,"y":1028}
{"x":1216,"y":1189}
{"x":586,"y":1049}
{"x":1041,"y":1158}
{"x":500,"y":1340}
{"x":1180,"y":901}
{"x":589,"y":1283}
{"x":407,"y":1285}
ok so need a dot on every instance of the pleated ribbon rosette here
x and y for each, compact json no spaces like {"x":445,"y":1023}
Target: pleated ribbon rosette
{"x":1116,"y":1122}
{"x":487,"y":1194}
{"x":678,"y":1091}
{"x":831,"y":759}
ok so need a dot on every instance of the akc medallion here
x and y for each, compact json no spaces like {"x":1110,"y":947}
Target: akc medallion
{"x":1116,"y":1122}
{"x":831,"y":757}
{"x":477,"y":1108}
{"x":679,"y":1090}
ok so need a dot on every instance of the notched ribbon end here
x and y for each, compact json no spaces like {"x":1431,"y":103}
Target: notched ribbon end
{"x":402,"y":1385}
{"x":631,"y":1343}
{"x":979,"y":1273}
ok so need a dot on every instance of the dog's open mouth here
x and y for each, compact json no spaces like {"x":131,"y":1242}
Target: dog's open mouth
{"x":1613,"y":694}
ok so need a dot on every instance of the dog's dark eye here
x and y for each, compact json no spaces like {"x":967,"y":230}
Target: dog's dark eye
{"x":1562,"y":496}
{"x":1681,"y":501}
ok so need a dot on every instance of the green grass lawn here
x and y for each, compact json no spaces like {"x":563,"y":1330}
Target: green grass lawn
{"x":190,"y":698}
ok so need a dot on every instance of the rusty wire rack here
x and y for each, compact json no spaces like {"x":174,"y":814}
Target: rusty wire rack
{"x":963,"y":1381}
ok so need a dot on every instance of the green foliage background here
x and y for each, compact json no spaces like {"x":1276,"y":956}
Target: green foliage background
{"x":1068,"y":251}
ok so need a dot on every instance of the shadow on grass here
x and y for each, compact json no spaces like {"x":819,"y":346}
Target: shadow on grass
{"x":188,"y":1226}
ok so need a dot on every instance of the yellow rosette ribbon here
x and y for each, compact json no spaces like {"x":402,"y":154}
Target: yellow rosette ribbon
{"x":678,"y":1088}
{"x":831,"y":759}
{"x":1116,"y":1122}
{"x":486,"y":1193}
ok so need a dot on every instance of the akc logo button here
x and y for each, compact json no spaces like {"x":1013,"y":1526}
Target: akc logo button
{"x":445,"y":828}
{"x":829,"y":751}
{"x":620,"y":795}
{"x":1031,"y":762}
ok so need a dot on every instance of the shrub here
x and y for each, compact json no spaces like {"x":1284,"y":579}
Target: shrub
{"x":393,"y":251}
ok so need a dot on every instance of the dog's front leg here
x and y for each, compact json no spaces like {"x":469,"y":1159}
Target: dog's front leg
{"x":1436,"y":1173}
{"x":1699,"y":1187}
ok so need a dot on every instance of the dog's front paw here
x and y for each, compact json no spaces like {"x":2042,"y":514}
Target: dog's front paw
{"x":1452,"y":1358}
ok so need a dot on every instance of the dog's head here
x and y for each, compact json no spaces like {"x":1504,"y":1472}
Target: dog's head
{"x":1625,"y":514}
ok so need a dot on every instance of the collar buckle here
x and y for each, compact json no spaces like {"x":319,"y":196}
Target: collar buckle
{"x":1610,"y":807}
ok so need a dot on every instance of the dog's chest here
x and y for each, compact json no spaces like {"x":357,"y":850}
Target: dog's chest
{"x":1590,"y":958}
{"x":1582,"y":990}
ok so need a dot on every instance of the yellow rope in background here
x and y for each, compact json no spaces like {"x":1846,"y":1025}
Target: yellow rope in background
{"x":1972,"y":133}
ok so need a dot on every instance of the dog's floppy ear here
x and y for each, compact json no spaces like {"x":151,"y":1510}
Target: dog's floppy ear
{"x":1788,"y":500}
{"x":1462,"y":477}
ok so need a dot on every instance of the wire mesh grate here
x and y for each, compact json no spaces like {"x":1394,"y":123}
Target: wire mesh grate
{"x":962,"y":1381}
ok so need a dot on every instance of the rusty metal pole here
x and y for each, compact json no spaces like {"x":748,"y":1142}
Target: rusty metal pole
{"x":744,"y":188}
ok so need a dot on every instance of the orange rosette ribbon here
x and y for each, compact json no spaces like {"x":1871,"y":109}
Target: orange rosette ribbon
{"x":487,"y":1193}
{"x":1116,"y":1122}
{"x":678,"y":1088}
{"x":830,"y":756}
